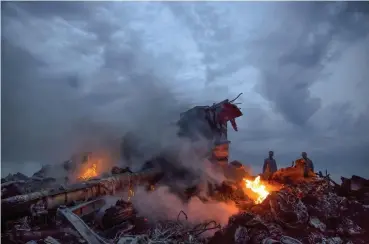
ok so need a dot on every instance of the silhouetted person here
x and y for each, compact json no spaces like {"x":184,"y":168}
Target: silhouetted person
{"x":308,"y":164}
{"x":270,"y":166}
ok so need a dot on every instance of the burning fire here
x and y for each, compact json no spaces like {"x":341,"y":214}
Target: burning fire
{"x":90,"y":172}
{"x":131,"y":194}
{"x":257,"y":188}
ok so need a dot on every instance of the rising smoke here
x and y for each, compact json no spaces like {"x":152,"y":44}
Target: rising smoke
{"x":169,"y":205}
{"x":47,"y":128}
{"x":47,"y":117}
{"x":161,"y":205}
{"x":50,"y":113}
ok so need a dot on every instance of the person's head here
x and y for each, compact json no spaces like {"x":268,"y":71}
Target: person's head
{"x":271,"y":154}
{"x":304,"y":154}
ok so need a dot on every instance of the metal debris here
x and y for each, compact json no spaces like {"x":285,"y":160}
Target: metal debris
{"x":304,"y":212}
{"x":83,"y":229}
{"x":241,"y":236}
{"x":311,"y":211}
{"x":50,"y":240}
{"x":315,"y":222}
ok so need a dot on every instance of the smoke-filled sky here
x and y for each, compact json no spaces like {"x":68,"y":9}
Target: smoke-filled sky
{"x":77,"y":76}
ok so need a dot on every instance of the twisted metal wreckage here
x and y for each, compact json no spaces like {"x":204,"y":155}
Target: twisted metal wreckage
{"x":289,"y":209}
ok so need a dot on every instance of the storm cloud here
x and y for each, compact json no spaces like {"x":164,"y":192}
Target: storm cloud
{"x":77,"y":76}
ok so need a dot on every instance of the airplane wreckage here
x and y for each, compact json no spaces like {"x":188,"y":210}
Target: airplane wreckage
{"x":288,"y":208}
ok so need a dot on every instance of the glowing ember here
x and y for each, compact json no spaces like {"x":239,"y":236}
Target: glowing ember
{"x":89,"y":173}
{"x":257,"y":188}
{"x":131,"y":194}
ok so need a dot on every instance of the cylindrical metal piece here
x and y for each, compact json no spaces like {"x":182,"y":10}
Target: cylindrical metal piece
{"x":20,"y":205}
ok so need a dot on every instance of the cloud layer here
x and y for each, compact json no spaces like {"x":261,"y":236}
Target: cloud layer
{"x":78,"y":75}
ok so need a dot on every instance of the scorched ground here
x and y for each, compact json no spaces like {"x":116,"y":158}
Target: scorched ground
{"x":313,"y":210}
{"x":70,"y":203}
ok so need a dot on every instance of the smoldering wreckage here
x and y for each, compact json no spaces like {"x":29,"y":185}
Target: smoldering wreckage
{"x":290,"y":207}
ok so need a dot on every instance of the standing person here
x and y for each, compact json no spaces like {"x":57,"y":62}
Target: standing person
{"x":308,"y":164}
{"x":270,"y":166}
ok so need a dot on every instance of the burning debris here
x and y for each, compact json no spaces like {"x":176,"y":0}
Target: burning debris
{"x":89,"y":173}
{"x":258,"y":189}
{"x":293,"y":205}
{"x":313,"y":211}
{"x":307,"y":212}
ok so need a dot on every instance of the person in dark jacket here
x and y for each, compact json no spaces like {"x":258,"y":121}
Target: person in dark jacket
{"x":308,"y":164}
{"x":270,"y":166}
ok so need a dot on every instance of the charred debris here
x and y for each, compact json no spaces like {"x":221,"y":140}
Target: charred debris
{"x":72,"y":206}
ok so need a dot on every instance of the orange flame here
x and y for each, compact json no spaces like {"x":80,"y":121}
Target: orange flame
{"x":90,"y":172}
{"x":257,"y":188}
{"x":131,"y":194}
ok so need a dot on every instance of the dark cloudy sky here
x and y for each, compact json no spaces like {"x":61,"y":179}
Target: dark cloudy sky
{"x":78,"y":75}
